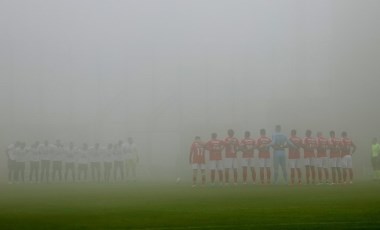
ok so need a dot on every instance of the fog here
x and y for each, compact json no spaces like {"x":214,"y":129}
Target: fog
{"x":165,"y":71}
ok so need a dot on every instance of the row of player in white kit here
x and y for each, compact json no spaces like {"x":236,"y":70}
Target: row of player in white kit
{"x":20,"y":152}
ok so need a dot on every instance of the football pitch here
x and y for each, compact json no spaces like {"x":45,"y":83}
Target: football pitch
{"x":178,"y":206}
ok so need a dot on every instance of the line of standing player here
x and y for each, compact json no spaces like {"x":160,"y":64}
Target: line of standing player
{"x":319,"y":154}
{"x":46,"y":162}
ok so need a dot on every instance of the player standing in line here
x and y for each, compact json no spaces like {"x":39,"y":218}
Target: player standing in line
{"x":279,"y":143}
{"x":45,"y":153}
{"x":375,"y":158}
{"x":322,"y":159}
{"x":34,"y":162}
{"x":21,"y":158}
{"x":294,"y":157}
{"x":197,"y":160}
{"x":309,"y":145}
{"x":57,"y":154}
{"x":83,"y":162}
{"x":119,"y":161}
{"x":131,"y":158}
{"x":70,"y":157}
{"x":10,"y":152}
{"x":108,"y":159}
{"x":94,"y":157}
{"x":230,"y":160}
{"x":334,"y":146}
{"x":263,"y":143}
{"x":248,"y":148}
{"x":348,"y":148}
{"x":215,"y":148}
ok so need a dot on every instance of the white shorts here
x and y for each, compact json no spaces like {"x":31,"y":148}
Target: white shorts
{"x":215,"y":164}
{"x":247,"y":162}
{"x":294,"y":163}
{"x":322,"y":162}
{"x":264,"y":162}
{"x":198,"y":166}
{"x":335,"y":162}
{"x":346,"y":162}
{"x":230,"y":163}
{"x":309,"y":161}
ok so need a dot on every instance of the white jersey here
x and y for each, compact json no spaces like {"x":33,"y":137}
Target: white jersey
{"x":21,"y":154}
{"x":34,"y":154}
{"x":108,"y":156}
{"x":130,"y":151}
{"x":11,"y":151}
{"x":59,"y":153}
{"x":118,"y":153}
{"x":95,"y":154}
{"x":83,"y":157}
{"x":46,"y":152}
{"x":71,"y":155}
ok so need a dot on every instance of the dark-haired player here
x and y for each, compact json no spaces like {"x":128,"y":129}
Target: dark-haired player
{"x":309,"y":145}
{"x":248,"y":147}
{"x":322,"y":159}
{"x":197,"y":160}
{"x":334,"y":145}
{"x":294,"y":157}
{"x":262,"y":144}
{"x":348,"y":148}
{"x":215,"y":147}
{"x":230,"y":161}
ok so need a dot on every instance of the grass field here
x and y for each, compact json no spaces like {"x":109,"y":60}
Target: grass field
{"x":178,"y":206}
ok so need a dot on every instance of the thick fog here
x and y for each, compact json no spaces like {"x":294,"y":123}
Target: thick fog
{"x":164,"y":71}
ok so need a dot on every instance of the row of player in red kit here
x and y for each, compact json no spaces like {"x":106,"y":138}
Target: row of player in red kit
{"x":314,"y":148}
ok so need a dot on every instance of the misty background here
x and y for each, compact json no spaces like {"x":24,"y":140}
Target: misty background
{"x":164,"y":71}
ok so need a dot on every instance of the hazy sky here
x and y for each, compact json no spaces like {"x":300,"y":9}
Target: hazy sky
{"x":168,"y":70}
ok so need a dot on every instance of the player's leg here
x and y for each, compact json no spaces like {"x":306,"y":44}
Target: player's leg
{"x":307,"y":170}
{"x":195,"y":171}
{"x":22,"y":171}
{"x":234,"y":167}
{"x":244,"y":165}
{"x":349,"y":166}
{"x":262,"y":168}
{"x":325,"y":165}
{"x":292,"y":167}
{"x":298,"y":169}
{"x":60,"y":171}
{"x":220,"y":171}
{"x":312,"y":169}
{"x":227,"y":166}
{"x":283,"y":167}
{"x":344,"y":169}
{"x":31,"y":171}
{"x":276,"y":163}
{"x":203,"y":173}
{"x":212,"y":167}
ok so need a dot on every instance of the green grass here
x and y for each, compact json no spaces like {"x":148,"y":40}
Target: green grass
{"x":178,"y":206}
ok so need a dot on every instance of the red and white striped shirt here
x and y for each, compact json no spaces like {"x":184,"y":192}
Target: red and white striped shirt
{"x":231,"y":147}
{"x":197,"y":153}
{"x":263,"y":149}
{"x":293,"y":152}
{"x":215,"y":148}
{"x":248,"y":145}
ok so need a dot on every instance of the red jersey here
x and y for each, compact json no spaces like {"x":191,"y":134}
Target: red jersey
{"x":263,"y":150}
{"x":293,"y":152}
{"x":215,"y":148}
{"x":347,"y":144}
{"x":231,"y":146}
{"x":309,"y":145}
{"x":322,"y":144}
{"x":248,"y":145}
{"x":335,"y":144}
{"x":197,"y":153}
